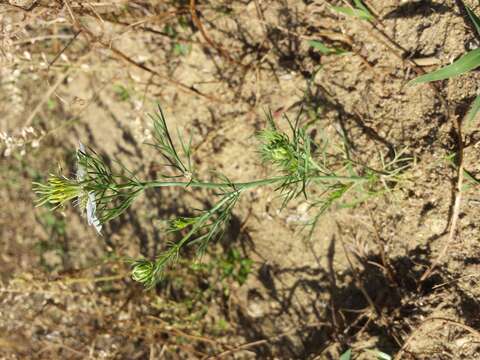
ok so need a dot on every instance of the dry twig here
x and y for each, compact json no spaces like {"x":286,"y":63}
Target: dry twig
{"x":405,"y":345}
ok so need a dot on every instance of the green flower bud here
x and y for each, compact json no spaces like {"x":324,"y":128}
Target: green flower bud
{"x":181,"y":223}
{"x":142,"y":271}
{"x":280,"y":154}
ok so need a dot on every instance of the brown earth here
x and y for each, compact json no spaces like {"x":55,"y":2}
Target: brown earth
{"x":66,"y":292}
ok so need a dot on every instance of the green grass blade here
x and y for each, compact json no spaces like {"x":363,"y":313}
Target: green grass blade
{"x":383,"y":356}
{"x":361,"y":6}
{"x":471,"y":178}
{"x":472,"y":113}
{"x":358,"y":13}
{"x":467,"y":62}
{"x":347,"y":355}
{"x":318,"y":45}
{"x":475,"y":19}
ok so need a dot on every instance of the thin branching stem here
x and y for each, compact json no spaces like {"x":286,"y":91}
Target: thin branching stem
{"x":304,"y":170}
{"x":251,"y":184}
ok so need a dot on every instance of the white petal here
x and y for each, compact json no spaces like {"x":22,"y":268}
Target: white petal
{"x":91,"y":209}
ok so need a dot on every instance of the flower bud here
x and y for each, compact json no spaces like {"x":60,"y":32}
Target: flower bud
{"x":181,"y":223}
{"x":142,"y":271}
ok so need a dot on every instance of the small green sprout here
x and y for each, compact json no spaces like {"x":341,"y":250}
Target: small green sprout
{"x":235,"y":266}
{"x":121,"y":92}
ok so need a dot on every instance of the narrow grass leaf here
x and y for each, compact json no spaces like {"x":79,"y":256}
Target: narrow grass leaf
{"x":472,"y":113}
{"x":383,"y":356}
{"x":347,"y":355}
{"x":475,"y":19}
{"x":471,"y":181}
{"x":358,"y":13}
{"x":318,"y":45}
{"x":359,"y":4}
{"x":467,"y":62}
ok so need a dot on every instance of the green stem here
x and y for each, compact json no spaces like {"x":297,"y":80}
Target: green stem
{"x":240,"y":186}
{"x":202,"y":221}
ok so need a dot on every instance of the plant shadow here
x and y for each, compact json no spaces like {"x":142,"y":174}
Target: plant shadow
{"x":420,"y":8}
{"x":332,"y":309}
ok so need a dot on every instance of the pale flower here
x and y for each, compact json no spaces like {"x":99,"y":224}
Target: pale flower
{"x":91,"y":216}
{"x":91,"y":205}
